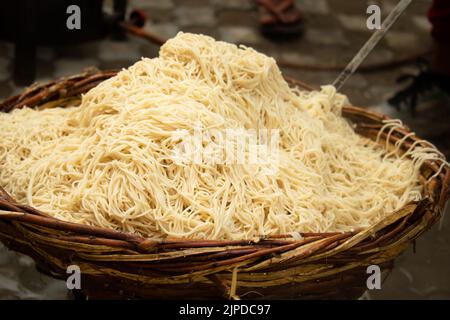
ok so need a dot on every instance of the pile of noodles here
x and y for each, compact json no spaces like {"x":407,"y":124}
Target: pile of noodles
{"x":110,"y":161}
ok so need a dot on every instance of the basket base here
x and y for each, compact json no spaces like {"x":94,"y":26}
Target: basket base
{"x":350,"y":285}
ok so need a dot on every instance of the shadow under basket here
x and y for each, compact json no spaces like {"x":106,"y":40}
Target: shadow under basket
{"x":117,"y":265}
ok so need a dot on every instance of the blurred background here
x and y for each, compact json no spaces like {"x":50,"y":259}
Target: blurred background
{"x":406,"y":77}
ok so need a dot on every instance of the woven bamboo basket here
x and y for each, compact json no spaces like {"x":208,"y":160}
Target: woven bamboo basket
{"x":120,"y":265}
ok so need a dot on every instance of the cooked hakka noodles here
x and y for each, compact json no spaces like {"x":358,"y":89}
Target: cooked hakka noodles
{"x":109,"y":161}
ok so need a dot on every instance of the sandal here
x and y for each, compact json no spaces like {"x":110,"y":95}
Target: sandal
{"x":280,"y":19}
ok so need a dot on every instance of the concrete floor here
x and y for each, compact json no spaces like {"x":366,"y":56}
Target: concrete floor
{"x":335,"y":30}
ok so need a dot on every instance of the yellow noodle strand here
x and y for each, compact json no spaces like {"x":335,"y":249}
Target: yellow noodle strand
{"x":109,"y":161}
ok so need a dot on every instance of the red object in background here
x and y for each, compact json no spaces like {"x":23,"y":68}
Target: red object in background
{"x":439,"y":16}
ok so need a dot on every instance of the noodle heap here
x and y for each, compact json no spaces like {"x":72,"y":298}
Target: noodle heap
{"x":109,"y":161}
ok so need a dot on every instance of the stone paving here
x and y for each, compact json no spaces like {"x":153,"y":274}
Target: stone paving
{"x":335,"y":30}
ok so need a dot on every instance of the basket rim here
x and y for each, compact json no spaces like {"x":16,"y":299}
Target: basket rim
{"x":66,"y":88}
